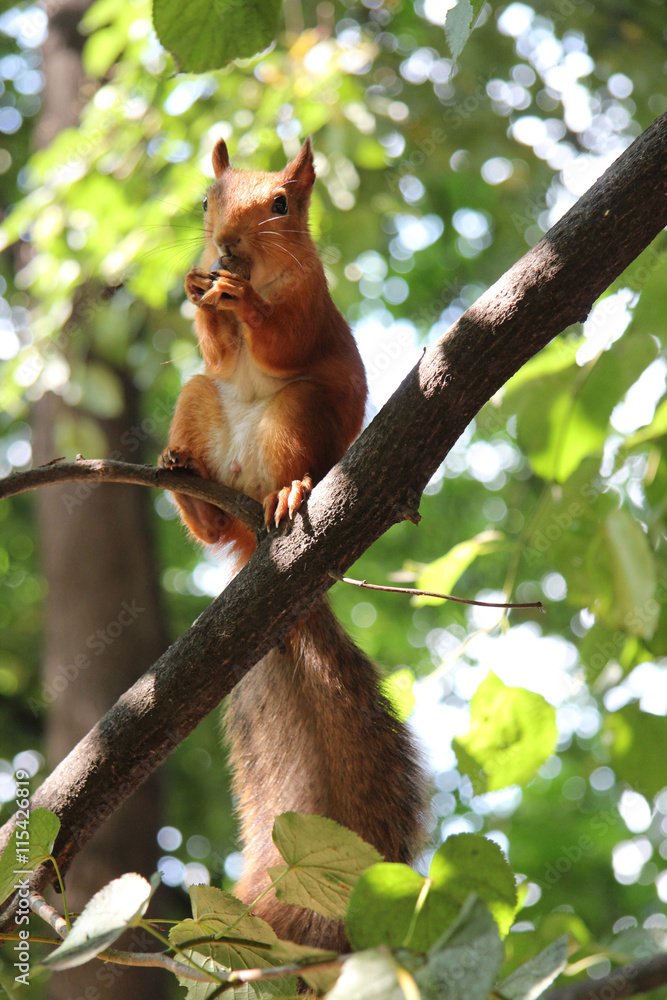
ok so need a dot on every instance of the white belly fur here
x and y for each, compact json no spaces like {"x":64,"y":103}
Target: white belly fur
{"x":234,"y":455}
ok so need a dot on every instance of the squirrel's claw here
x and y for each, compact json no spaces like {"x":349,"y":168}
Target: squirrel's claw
{"x":179,"y":458}
{"x":197,"y":283}
{"x":287,"y":501}
{"x":297,"y":494}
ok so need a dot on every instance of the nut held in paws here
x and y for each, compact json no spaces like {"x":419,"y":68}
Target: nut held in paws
{"x":236,"y":265}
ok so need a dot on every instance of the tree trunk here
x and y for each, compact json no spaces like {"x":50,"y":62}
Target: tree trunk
{"x":103,"y":624}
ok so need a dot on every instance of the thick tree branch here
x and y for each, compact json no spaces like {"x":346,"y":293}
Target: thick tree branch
{"x":626,"y":981}
{"x":106,"y":471}
{"x":377,"y":483}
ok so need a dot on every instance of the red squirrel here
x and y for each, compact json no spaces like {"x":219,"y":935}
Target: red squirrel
{"x":281,"y":400}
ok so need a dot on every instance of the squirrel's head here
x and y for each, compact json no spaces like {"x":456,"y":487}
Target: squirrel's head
{"x":257,"y":215}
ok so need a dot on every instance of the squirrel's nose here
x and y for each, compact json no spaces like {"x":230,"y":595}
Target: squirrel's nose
{"x":226,"y":245}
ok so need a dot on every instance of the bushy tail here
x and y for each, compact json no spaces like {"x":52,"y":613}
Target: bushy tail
{"x":310,"y":731}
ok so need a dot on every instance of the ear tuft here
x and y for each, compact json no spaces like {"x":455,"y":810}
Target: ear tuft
{"x":301,"y":169}
{"x":220,"y":158}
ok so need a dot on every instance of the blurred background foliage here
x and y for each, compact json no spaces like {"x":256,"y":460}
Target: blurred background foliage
{"x":433,"y":178}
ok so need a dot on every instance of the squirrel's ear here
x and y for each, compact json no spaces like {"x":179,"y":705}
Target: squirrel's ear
{"x":301,"y":169}
{"x":220,"y":158}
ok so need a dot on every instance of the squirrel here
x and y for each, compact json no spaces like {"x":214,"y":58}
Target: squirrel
{"x":282,"y":398}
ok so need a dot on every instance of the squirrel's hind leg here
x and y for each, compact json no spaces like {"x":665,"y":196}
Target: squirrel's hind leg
{"x":206,"y":521}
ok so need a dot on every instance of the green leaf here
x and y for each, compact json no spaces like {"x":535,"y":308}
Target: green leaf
{"x":318,"y":979}
{"x":324,"y":861}
{"x":649,"y":313}
{"x":30,"y":843}
{"x":238,"y":941}
{"x":102,"y":50}
{"x":203,"y":35}
{"x":464,"y":963}
{"x":247,"y":945}
{"x":373,"y":975}
{"x":564,"y":416}
{"x":442,"y":574}
{"x":634,"y":738}
{"x":117,"y":906}
{"x":384,"y":904}
{"x":566,"y":535}
{"x":626,"y":552}
{"x":469,"y":862}
{"x":530,"y":980}
{"x":458,"y":26}
{"x":557,"y":356}
{"x":602,"y":645}
{"x":512,"y":732}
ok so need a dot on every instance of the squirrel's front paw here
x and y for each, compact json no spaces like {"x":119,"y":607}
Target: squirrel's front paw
{"x":231,"y":291}
{"x":286,"y":501}
{"x":197,"y":283}
{"x":225,"y":291}
{"x":179,"y":458}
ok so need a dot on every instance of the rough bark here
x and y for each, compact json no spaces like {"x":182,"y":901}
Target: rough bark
{"x":377,"y":483}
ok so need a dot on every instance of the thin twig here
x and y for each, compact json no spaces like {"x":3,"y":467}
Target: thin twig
{"x":44,"y":910}
{"x":97,"y":470}
{"x":413,"y":592}
{"x":51,"y":916}
{"x":277,"y":971}
{"x":156,"y":959}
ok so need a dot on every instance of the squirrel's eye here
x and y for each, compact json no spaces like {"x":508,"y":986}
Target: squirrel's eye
{"x":205,"y":204}
{"x":280,"y":205}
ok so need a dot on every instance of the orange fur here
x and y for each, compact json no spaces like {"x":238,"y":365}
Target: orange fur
{"x":281,"y":362}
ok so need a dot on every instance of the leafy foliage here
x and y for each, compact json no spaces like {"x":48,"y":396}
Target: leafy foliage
{"x":393,"y":905}
{"x":452,"y":943}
